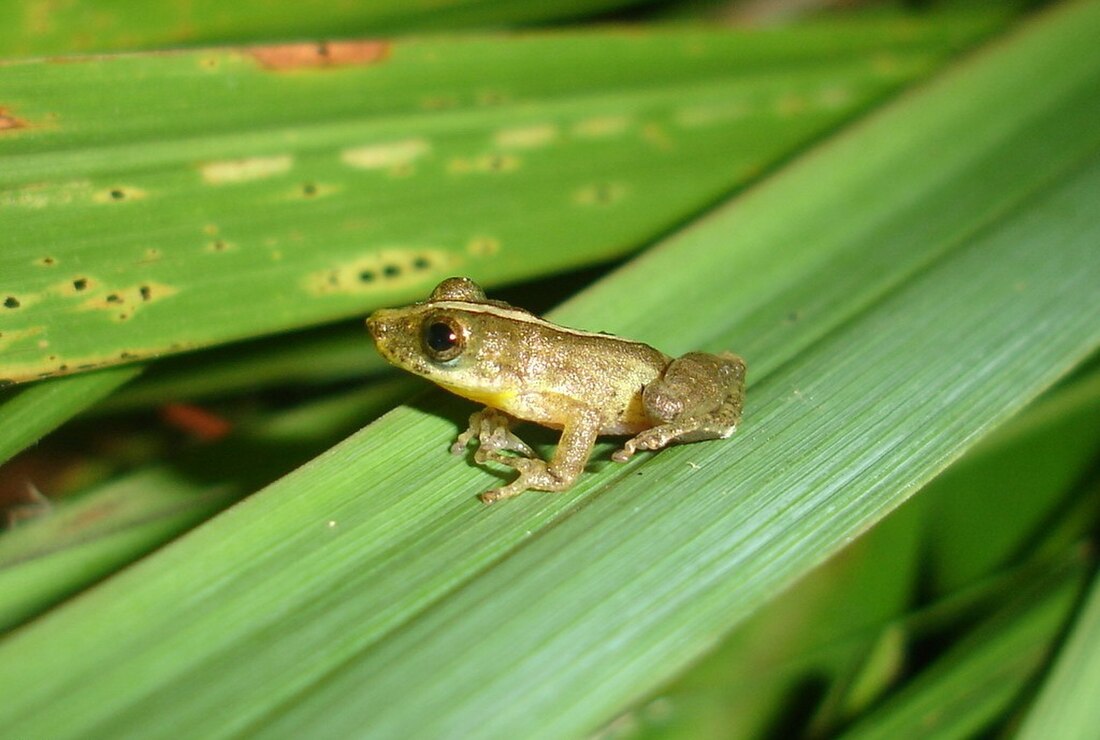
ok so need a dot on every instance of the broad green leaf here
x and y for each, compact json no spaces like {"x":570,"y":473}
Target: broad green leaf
{"x":40,"y":27}
{"x":162,"y":202}
{"x":90,"y":535}
{"x":1067,"y":705}
{"x":796,"y":651}
{"x":370,"y":590}
{"x":961,"y":693}
{"x":803,"y":648}
{"x":642,"y":578}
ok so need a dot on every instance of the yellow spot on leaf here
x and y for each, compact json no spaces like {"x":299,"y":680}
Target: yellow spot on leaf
{"x":711,"y":114}
{"x":526,"y":137}
{"x":384,"y":156}
{"x":119,"y":194}
{"x":601,"y":126}
{"x":245,"y":170}
{"x":41,"y":195}
{"x":483,"y":246}
{"x":380,"y":270}
{"x":124,"y":302}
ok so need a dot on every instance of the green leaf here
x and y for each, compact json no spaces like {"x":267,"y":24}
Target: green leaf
{"x":39,"y":27}
{"x":91,"y":534}
{"x":961,"y":693}
{"x":895,"y":306}
{"x":1067,"y":706}
{"x":163,"y":202}
{"x":27,"y":414}
{"x":1015,"y":484}
{"x":842,"y":619}
{"x":808,"y":646}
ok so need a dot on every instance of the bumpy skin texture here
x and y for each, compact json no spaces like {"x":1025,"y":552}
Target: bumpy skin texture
{"x":584,"y":383}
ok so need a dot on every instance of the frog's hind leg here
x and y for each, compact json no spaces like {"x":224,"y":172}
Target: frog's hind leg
{"x":699,"y":397}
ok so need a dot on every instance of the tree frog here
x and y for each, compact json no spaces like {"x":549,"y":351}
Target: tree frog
{"x":522,"y":367}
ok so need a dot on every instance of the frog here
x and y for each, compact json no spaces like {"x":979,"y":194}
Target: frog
{"x":521,"y":367}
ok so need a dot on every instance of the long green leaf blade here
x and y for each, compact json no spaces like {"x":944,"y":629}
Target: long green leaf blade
{"x":27,"y":414}
{"x":619,"y":593}
{"x":1067,"y":705}
{"x":966,"y":689}
{"x":162,"y":202}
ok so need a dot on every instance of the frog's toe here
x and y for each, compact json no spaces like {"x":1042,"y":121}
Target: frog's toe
{"x":650,"y":439}
{"x":503,"y":439}
{"x":490,"y":497}
{"x":625,"y":453}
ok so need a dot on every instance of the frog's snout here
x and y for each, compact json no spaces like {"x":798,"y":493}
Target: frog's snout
{"x":380,"y":324}
{"x":375,"y":325}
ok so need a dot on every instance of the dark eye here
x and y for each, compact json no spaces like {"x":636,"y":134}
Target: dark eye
{"x":443,"y":338}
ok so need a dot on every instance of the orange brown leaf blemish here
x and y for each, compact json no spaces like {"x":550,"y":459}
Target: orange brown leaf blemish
{"x":9,"y":122}
{"x":282,"y":57}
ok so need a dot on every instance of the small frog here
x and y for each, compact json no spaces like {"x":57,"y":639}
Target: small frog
{"x":584,"y":383}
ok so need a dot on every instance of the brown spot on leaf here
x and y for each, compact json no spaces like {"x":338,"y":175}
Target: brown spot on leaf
{"x":130,"y":298}
{"x":8,"y":122}
{"x":283,"y":57}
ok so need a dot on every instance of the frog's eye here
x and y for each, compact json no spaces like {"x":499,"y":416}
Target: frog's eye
{"x":443,"y":338}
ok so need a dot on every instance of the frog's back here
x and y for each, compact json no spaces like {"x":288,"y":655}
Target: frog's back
{"x":570,"y":368}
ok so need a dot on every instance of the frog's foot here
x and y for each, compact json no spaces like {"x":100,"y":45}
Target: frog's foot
{"x":493,"y":433}
{"x":651,"y":439}
{"x":685,"y":430}
{"x":534,"y":474}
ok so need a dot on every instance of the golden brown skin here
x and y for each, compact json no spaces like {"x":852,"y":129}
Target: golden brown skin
{"x":586,"y":384}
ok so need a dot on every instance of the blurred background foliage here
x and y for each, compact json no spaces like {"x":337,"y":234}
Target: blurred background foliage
{"x":200,"y":201}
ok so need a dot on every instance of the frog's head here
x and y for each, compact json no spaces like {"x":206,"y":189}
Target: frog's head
{"x":457,"y":339}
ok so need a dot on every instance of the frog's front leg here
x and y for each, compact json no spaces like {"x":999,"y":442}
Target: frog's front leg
{"x":700,"y":396}
{"x":578,"y":436}
{"x":493,"y":432}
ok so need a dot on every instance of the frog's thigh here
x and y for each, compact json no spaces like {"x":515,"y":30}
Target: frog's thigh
{"x":575,"y":447}
{"x":699,"y":397}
